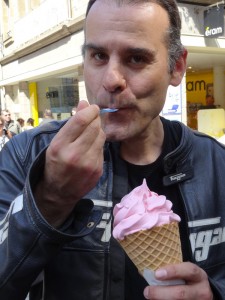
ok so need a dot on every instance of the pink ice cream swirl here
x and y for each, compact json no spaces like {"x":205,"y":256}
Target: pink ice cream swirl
{"x":141,"y":209}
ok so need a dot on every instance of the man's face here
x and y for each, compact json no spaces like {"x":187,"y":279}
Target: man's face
{"x":7,"y":116}
{"x":126,"y":65}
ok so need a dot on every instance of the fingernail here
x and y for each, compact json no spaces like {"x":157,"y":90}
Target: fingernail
{"x":146,"y":294}
{"x":161,"y":273}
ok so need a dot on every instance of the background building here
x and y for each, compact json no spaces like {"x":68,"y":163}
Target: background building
{"x":41,"y":61}
{"x":41,"y":56}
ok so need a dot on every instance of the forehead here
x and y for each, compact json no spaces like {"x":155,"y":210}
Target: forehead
{"x":145,"y":23}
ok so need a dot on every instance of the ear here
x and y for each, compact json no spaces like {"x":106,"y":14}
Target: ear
{"x":179,"y":70}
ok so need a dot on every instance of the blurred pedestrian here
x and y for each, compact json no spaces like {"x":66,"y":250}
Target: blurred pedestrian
{"x":21,"y":121}
{"x":30,"y":124}
{"x":5,"y":135}
{"x":13,"y":127}
{"x":48,"y":117}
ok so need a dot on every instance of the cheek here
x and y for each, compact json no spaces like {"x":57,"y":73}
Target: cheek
{"x":153,"y":89}
{"x":90,"y":85}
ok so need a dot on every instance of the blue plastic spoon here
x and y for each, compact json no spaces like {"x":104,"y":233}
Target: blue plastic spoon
{"x":107,"y":110}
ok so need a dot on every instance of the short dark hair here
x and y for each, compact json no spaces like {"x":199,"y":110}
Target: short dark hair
{"x":30,"y":121}
{"x":173,"y":39}
{"x":20,"y":121}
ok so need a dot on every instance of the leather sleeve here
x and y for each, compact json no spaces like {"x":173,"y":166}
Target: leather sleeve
{"x":27,"y":241}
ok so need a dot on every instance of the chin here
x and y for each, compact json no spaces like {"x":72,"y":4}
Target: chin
{"x":115,"y":137}
{"x":115,"y":133}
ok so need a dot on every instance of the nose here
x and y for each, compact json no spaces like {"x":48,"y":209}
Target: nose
{"x":114,"y":80}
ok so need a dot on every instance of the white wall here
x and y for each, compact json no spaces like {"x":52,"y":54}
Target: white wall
{"x":58,"y":57}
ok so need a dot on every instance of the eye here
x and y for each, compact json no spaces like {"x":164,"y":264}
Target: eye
{"x":138,"y":59}
{"x":99,"y":56}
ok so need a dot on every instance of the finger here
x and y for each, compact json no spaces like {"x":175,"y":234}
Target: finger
{"x":92,"y":135}
{"x":82,"y":165}
{"x":81,"y":155}
{"x":92,"y":164}
{"x":169,"y":292}
{"x":187,"y":271}
{"x":87,"y":148}
{"x":77,"y":124}
{"x":185,"y":292}
{"x":81,"y":105}
{"x":79,"y":167}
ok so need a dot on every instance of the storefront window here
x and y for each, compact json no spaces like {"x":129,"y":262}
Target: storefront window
{"x":59,"y":93}
{"x":64,"y":96}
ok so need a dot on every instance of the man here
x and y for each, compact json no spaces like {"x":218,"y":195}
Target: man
{"x":56,"y":235}
{"x":48,"y":117}
{"x":5,"y":135}
{"x":13,"y":127}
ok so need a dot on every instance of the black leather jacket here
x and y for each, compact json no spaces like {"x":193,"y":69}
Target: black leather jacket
{"x":80,"y":261}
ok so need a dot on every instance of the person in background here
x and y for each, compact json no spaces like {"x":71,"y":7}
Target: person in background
{"x":22,"y":123}
{"x":13,"y":127}
{"x":5,"y":135}
{"x":29,"y":124}
{"x":63,"y":181}
{"x":73,"y":111}
{"x":210,"y":101}
{"x":48,"y":117}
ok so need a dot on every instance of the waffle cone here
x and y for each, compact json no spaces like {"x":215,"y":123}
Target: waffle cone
{"x":154,"y":248}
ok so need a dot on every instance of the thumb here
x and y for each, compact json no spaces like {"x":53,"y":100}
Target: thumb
{"x":82,"y":104}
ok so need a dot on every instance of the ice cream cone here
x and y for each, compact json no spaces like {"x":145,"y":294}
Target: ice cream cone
{"x":154,"y":248}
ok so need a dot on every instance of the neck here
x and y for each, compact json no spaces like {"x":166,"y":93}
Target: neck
{"x":147,"y":147}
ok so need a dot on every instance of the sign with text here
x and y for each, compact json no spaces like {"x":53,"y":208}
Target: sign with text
{"x":214,"y":21}
{"x":173,"y":106}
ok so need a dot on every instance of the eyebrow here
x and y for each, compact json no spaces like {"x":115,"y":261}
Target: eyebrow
{"x":91,"y":46}
{"x":132,"y":51}
{"x":141,"y":51}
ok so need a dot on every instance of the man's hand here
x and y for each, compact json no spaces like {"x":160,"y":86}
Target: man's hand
{"x":74,"y":164}
{"x":196,"y":287}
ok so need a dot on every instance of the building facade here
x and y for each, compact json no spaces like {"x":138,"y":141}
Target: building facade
{"x":41,"y":59}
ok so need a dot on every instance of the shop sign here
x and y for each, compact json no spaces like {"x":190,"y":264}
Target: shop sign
{"x":197,"y":85}
{"x":173,"y":104}
{"x":214,"y":21}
